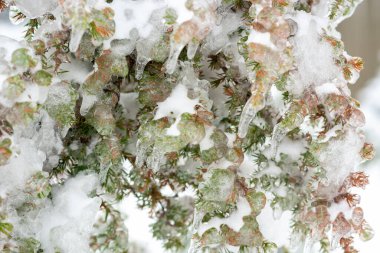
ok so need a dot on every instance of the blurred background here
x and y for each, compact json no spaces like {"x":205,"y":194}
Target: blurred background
{"x":361,"y":35}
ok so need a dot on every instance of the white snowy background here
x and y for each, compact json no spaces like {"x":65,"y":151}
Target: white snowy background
{"x":138,"y":220}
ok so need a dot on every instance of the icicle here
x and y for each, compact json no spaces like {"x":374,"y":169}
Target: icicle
{"x":278,"y":135}
{"x":141,"y":62}
{"x":76,"y":37}
{"x":3,"y":53}
{"x":259,"y":250}
{"x":195,"y":245}
{"x":156,"y":159}
{"x":198,"y":216}
{"x":171,"y":63}
{"x":308,"y":244}
{"x":295,"y":242}
{"x":192,"y":49}
{"x":277,"y":212}
{"x":250,"y":250}
{"x":103,"y":173}
{"x":248,"y":114}
{"x":3,"y":63}
{"x":87,"y":102}
{"x":335,"y":241}
{"x":357,"y":217}
{"x":141,"y":153}
{"x":15,"y":20}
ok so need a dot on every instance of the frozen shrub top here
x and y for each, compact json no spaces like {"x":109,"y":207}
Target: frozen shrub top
{"x":245,"y":104}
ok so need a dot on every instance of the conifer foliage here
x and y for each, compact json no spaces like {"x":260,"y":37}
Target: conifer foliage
{"x":244,"y":103}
